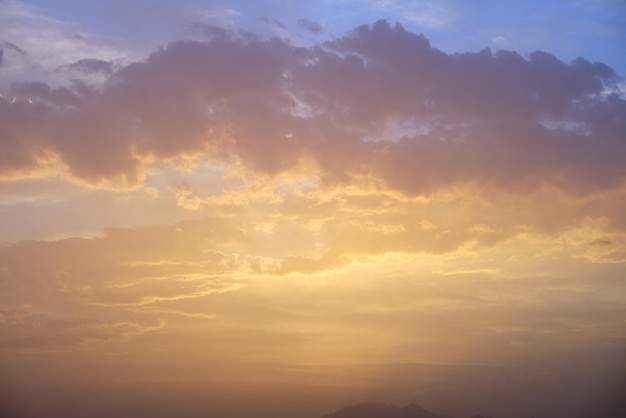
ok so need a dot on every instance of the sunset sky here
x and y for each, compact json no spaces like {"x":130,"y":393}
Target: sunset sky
{"x":274,"y":209}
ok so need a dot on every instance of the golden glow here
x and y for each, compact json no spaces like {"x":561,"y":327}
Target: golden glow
{"x":313,"y":226}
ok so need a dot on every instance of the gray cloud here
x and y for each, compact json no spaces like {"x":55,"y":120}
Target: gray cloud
{"x":91,"y":66}
{"x":13,"y":48}
{"x":487,"y":118}
{"x":313,"y":27}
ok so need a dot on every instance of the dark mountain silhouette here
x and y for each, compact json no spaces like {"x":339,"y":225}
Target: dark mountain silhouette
{"x":376,"y":410}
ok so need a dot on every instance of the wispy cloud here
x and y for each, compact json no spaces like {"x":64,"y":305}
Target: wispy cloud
{"x":23,"y":330}
{"x":40,"y":46}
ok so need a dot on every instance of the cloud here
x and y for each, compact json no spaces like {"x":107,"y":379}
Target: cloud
{"x":13,"y":48}
{"x":37,"y":45}
{"x":272,"y":22}
{"x":370,"y":146}
{"x":185,"y":197}
{"x":24,"y":330}
{"x":298,"y":264}
{"x":91,"y":66}
{"x":126,"y":267}
{"x":309,"y":25}
{"x":129,"y":281}
{"x":296,"y":227}
{"x":477,"y":118}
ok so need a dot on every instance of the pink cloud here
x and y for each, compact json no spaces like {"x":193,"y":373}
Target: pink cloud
{"x":491,"y":118}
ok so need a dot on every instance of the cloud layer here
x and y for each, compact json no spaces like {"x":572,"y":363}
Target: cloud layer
{"x":380,"y":102}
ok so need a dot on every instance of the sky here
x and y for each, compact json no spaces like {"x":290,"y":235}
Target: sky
{"x":279,"y":208}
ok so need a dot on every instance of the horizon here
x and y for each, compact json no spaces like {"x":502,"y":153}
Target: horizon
{"x":277,"y":209}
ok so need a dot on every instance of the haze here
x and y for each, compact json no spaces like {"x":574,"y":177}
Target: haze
{"x":272,"y":209}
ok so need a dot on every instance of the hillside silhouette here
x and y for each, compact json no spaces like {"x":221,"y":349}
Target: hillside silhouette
{"x":376,"y":410}
{"x":615,"y":409}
